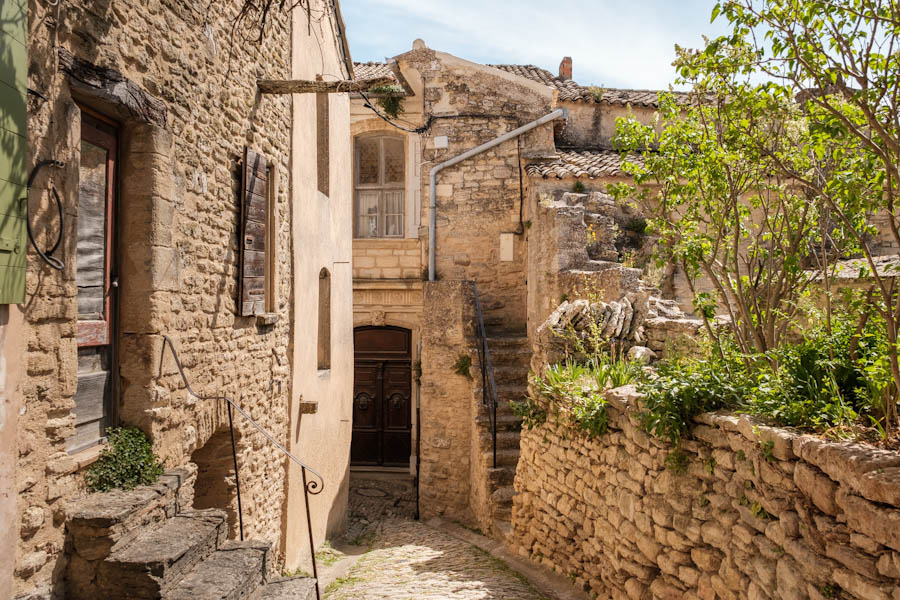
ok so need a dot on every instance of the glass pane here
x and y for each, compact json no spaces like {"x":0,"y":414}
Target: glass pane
{"x":393,"y":160}
{"x":393,"y":213}
{"x":393,"y":202}
{"x":90,"y":249}
{"x":393,"y":225}
{"x":366,"y":214}
{"x":367,"y":157}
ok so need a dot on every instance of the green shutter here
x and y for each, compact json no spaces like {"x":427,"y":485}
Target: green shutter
{"x":13,"y":135}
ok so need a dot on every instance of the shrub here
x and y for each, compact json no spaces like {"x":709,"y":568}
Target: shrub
{"x":462,"y":366}
{"x":126,"y":462}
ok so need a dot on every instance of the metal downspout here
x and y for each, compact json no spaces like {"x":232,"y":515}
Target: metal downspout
{"x":432,"y":178}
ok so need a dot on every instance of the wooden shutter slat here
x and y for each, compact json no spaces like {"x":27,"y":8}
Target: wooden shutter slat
{"x":254,"y":216}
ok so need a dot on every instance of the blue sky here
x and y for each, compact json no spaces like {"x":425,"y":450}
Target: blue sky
{"x":612,"y":43}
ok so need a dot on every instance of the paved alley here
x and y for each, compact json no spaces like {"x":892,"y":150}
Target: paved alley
{"x":407,"y":559}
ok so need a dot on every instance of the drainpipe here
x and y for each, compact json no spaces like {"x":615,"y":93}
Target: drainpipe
{"x":432,"y":195}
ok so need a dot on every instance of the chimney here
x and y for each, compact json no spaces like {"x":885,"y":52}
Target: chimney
{"x":565,"y":68}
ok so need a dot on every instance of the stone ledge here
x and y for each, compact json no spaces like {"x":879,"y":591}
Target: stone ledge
{"x":268,"y":318}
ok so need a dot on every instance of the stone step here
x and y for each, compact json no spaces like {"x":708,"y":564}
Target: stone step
{"x":290,"y":588}
{"x":516,"y":342}
{"x":501,"y":476}
{"x":502,"y":512}
{"x":506,"y":457}
{"x":503,"y":495}
{"x":158,"y":559}
{"x":102,"y":523}
{"x":501,"y":528}
{"x":510,"y":375}
{"x":511,"y":355}
{"x":235,"y":571}
{"x":505,"y":440}
{"x":505,"y":422}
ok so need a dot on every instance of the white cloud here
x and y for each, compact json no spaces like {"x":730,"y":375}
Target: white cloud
{"x":613,"y":43}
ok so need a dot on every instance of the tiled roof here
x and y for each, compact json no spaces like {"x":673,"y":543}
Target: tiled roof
{"x":574,"y":92}
{"x":580,"y":163}
{"x":372,"y":70}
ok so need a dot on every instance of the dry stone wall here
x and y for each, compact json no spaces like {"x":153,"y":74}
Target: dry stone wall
{"x":178,"y":230}
{"x":756,"y":512}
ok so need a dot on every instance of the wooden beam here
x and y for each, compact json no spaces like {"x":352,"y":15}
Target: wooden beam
{"x":301,"y":86}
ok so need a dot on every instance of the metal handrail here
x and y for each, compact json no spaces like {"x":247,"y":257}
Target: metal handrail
{"x":309,"y":487}
{"x":488,"y":386}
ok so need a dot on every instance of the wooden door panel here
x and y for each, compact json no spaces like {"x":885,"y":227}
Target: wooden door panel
{"x":382,"y":390}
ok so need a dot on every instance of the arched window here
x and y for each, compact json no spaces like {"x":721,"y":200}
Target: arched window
{"x":379,"y":182}
{"x":324,"y":353}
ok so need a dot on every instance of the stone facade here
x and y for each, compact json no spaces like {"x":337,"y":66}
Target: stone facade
{"x":757,"y":512}
{"x":177,"y":259}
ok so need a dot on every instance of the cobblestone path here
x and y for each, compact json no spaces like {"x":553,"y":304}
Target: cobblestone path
{"x":408,"y":560}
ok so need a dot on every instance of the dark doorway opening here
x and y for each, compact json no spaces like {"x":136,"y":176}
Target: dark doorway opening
{"x":382,"y":397}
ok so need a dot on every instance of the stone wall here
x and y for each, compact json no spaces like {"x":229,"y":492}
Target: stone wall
{"x":756,"y":512}
{"x":178,"y":257}
{"x":387,"y":259}
{"x":446,"y":422}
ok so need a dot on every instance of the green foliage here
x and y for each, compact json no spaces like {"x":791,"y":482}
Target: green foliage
{"x":578,"y":187}
{"x":531,"y":412}
{"x":463,"y":365}
{"x":389,"y":99}
{"x":677,"y":461}
{"x":759,"y":512}
{"x":636,"y":224}
{"x":571,"y":388}
{"x":683,"y":389}
{"x":822,"y":381}
{"x":127,"y":461}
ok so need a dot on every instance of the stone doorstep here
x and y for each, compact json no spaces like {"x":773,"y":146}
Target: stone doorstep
{"x":234,"y":571}
{"x":158,"y":559}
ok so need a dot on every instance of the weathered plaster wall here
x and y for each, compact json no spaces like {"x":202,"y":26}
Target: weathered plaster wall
{"x":593,"y":125}
{"x":758,"y":512}
{"x":322,"y":238}
{"x":178,"y":257}
{"x":12,"y":349}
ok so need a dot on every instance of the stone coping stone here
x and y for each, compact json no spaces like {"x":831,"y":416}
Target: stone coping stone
{"x":290,"y":588}
{"x":870,"y":472}
{"x":235,"y":570}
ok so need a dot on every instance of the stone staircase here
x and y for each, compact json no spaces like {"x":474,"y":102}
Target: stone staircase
{"x":511,"y":356}
{"x":147,"y":543}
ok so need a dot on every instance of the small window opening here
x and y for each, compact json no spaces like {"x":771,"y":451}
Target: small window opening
{"x":324,"y":355}
{"x":322,"y":143}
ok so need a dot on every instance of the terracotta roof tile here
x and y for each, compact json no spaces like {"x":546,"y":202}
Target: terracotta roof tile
{"x":372,"y":70}
{"x":579,"y":163}
{"x":574,"y":92}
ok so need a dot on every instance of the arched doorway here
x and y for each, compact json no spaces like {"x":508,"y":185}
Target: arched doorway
{"x":382,"y":395}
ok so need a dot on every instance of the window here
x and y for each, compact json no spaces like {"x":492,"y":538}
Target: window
{"x":380,"y":180}
{"x":322,"y":143}
{"x":324,"y":352}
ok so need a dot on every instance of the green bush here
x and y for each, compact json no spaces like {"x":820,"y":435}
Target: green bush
{"x":827,"y":379}
{"x":126,"y":462}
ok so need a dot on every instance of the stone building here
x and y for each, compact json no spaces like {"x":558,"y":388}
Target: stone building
{"x":191,"y":207}
{"x":506,"y":224}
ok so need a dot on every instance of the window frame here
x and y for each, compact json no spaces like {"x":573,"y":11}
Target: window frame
{"x":380,"y":187}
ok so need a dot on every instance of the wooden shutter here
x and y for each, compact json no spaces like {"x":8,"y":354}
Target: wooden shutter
{"x":254,"y":200}
{"x":13,"y":132}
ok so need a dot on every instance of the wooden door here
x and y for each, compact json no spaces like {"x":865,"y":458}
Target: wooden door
{"x":94,"y":252}
{"x":382,"y":397}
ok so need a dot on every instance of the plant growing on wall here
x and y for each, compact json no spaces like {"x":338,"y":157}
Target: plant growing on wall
{"x":127,"y":461}
{"x":389,"y":98}
{"x":463,"y":365}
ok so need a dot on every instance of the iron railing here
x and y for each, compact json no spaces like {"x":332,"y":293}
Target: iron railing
{"x":310,"y":487}
{"x":488,"y":386}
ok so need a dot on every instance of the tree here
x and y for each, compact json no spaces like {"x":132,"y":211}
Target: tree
{"x":842,"y":60}
{"x":722,"y":210}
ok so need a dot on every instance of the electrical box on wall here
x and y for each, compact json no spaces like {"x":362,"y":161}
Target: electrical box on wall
{"x":13,"y":135}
